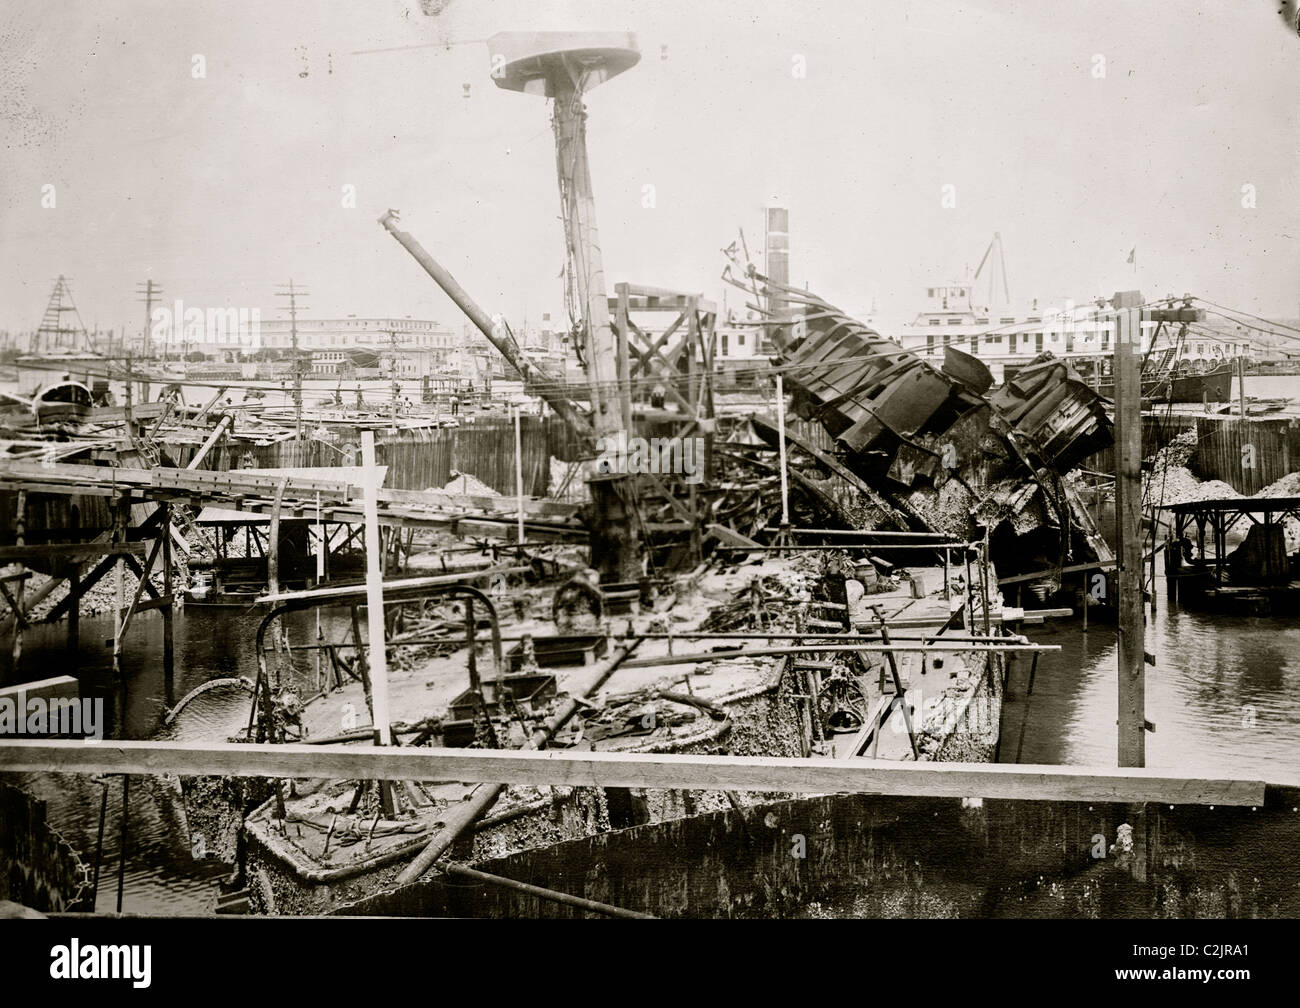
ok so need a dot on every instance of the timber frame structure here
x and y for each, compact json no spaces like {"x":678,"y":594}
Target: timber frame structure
{"x":58,"y":518}
{"x":679,"y":361}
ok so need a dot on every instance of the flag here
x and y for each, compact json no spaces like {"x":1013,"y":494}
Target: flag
{"x":1132,"y":256}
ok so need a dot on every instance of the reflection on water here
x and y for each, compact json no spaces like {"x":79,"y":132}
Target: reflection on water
{"x":1224,"y":696}
{"x":162,"y":875}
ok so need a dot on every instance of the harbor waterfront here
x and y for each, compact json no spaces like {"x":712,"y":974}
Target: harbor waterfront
{"x":460,"y":502}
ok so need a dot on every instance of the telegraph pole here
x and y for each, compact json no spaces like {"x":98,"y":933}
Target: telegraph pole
{"x":392,"y":373}
{"x":1128,"y":521}
{"x":149,"y":293}
{"x":1132,"y":721}
{"x":292,"y":293}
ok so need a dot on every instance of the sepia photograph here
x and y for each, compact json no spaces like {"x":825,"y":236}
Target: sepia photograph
{"x":532,"y":459}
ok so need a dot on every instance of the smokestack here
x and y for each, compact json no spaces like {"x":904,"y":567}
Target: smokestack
{"x":778,"y":246}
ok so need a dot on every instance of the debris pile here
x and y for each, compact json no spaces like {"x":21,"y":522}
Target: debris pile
{"x":466,"y":485}
{"x":1169,"y":481}
{"x":930,"y":449}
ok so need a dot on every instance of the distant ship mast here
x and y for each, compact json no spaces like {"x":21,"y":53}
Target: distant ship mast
{"x":997,"y":280}
{"x":53,"y":334}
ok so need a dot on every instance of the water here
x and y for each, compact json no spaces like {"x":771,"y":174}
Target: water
{"x":1271,"y":386}
{"x":162,"y":876}
{"x":1224,"y":694}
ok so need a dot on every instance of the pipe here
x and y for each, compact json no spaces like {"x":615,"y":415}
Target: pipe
{"x":199,"y":690}
{"x":730,"y":653}
{"x":486,"y":795}
{"x":464,"y":871}
{"x":414,"y":640}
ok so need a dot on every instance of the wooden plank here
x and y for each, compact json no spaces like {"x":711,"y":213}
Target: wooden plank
{"x":161,"y":602}
{"x":72,"y":473}
{"x":71,"y":489}
{"x":56,"y":688}
{"x":912,"y":647}
{"x":820,"y":775}
{"x":728,"y":536}
{"x":245,"y":482}
{"x":116,"y":414}
{"x":471,"y":502}
{"x":87,"y":549}
{"x":1054,"y":571}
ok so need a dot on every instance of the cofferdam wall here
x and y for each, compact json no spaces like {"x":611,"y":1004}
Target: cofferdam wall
{"x":881,"y":856}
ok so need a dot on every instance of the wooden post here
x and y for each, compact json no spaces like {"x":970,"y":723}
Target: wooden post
{"x":375,"y":609}
{"x":74,"y":611}
{"x":74,"y":597}
{"x":471,"y":657}
{"x":168,"y":644}
{"x":121,"y":521}
{"x":1155,"y":548}
{"x":519,"y":473}
{"x":20,"y":533}
{"x":985,"y":574}
{"x":273,"y":540}
{"x":322,"y":546}
{"x":780,"y":433}
{"x":1128,"y":518}
{"x":1241,"y":386}
{"x":622,"y":336}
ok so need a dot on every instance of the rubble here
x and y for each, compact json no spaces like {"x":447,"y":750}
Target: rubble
{"x":467,"y":485}
{"x":1168,"y":480}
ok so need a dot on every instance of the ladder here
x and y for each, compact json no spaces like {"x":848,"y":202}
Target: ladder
{"x":190,"y":534}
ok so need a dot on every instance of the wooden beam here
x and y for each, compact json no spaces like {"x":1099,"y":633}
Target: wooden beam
{"x":87,"y":549}
{"x":638,"y":770}
{"x":1131,"y":696}
{"x":163,"y":601}
{"x":471,"y":502}
{"x":358,"y":592}
{"x":142,"y":582}
{"x":1054,"y":571}
{"x":67,"y":472}
{"x":212,"y":439}
{"x":248,"y":482}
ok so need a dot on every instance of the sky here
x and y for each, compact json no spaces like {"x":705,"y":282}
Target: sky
{"x":1079,"y":131}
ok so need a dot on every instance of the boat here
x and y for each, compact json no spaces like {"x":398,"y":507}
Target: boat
{"x":62,"y":405}
{"x":1180,"y":383}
